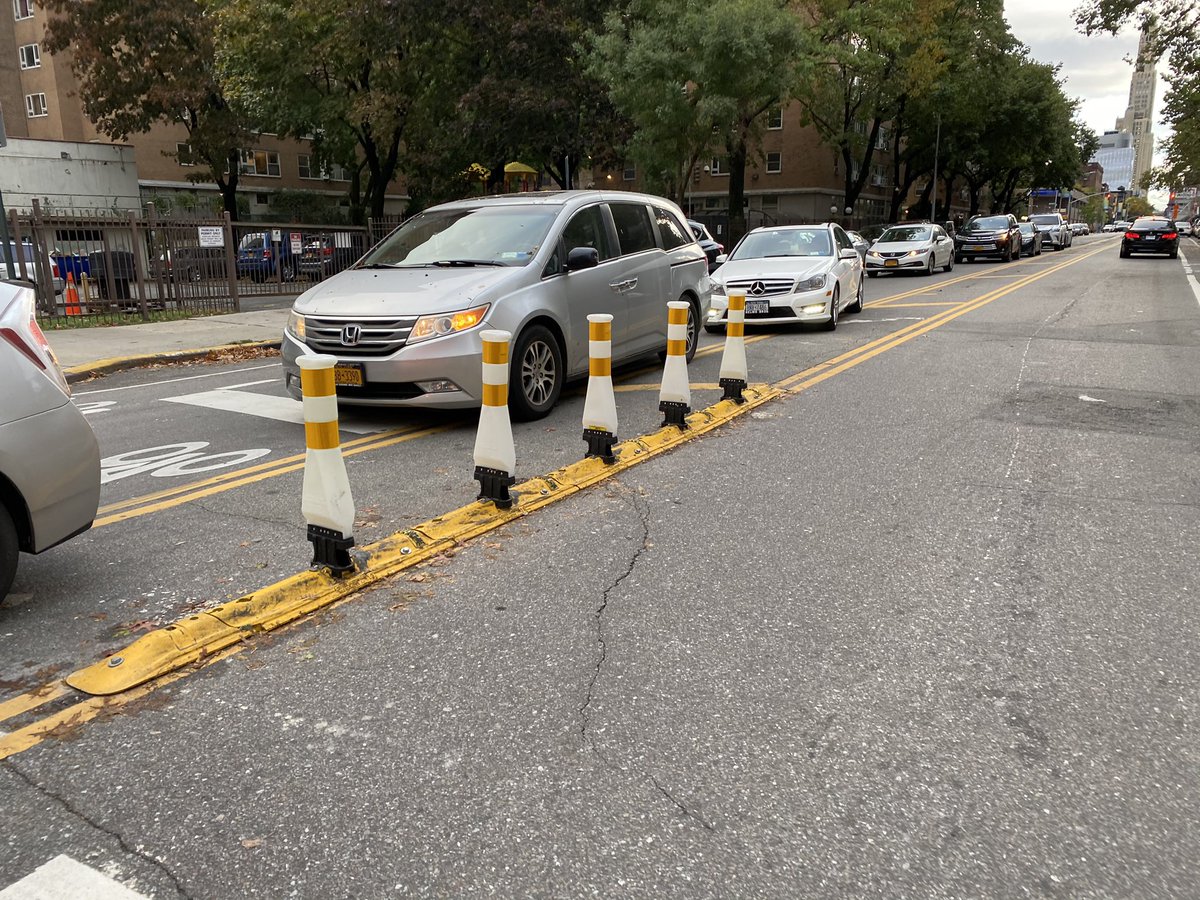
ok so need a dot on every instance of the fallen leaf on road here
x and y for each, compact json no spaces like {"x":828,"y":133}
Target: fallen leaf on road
{"x":251,"y":843}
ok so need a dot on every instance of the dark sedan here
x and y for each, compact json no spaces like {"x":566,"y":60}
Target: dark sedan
{"x":1031,"y":239}
{"x":1151,"y":234}
{"x":995,"y":236}
{"x":711,"y":246}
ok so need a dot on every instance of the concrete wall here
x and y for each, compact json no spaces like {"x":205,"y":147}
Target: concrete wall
{"x":65,"y":175}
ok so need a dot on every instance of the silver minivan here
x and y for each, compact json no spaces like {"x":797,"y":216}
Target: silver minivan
{"x":404,"y":321}
{"x":49,"y":458}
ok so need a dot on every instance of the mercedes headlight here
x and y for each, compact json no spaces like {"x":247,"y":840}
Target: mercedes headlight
{"x":443,"y":324}
{"x":813,"y":283}
{"x":718,"y":289}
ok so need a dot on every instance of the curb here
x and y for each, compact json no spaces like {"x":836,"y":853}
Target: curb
{"x":84,"y":371}
{"x":198,"y":637}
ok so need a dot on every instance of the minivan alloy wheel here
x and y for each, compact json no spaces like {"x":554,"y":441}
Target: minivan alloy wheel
{"x":538,"y":372}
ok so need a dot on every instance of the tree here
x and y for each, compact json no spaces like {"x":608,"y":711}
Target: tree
{"x":1138,"y":206}
{"x":348,"y":80}
{"x":1170,"y":24}
{"x":709,"y":74}
{"x":144,"y":62}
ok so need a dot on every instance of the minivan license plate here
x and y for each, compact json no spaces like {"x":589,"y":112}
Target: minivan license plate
{"x":758,"y":307}
{"x":351,"y":376}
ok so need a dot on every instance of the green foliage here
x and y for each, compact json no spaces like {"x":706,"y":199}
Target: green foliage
{"x":146,"y":62}
{"x":305,"y":206}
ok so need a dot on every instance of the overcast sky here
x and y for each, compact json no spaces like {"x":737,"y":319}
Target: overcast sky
{"x":1095,"y":68}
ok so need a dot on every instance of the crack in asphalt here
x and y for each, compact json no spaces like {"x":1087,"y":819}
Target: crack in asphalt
{"x":116,"y":835}
{"x":243,"y":515}
{"x":643,"y":510}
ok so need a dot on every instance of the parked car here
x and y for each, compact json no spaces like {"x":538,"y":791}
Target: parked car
{"x":1055,"y":232}
{"x":711,"y":246}
{"x":1031,"y":239}
{"x":1151,"y":234}
{"x":1079,"y":229}
{"x":34,"y":265}
{"x":404,"y":321}
{"x":998,"y":237}
{"x":861,"y":244}
{"x":917,"y":248}
{"x":789,"y":274}
{"x":191,"y":263}
{"x":1184,"y":228}
{"x":259,"y":258}
{"x":328,"y":254}
{"x":49,"y":459}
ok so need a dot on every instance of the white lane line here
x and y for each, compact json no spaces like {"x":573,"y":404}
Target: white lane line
{"x":64,"y":878}
{"x":1189,"y":270}
{"x":231,"y":387}
{"x":266,"y":406}
{"x":130,"y":387}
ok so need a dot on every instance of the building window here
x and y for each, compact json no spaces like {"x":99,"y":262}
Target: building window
{"x":308,"y":169}
{"x":262,"y":199}
{"x":884,"y":140}
{"x":22,"y":9}
{"x":629,"y":173}
{"x":259,"y":162}
{"x":770,"y":203}
{"x":718,"y":166}
{"x":183,"y":153}
{"x":31,"y":56}
{"x":35,"y":106}
{"x":304,"y":165}
{"x":774,"y":162}
{"x":775,"y":118}
{"x":878,"y":175}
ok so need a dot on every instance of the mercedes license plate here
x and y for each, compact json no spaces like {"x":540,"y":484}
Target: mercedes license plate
{"x":349,"y":375}
{"x":758,"y":307}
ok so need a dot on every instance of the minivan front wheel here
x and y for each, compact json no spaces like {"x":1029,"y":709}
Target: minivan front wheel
{"x":536,"y":374}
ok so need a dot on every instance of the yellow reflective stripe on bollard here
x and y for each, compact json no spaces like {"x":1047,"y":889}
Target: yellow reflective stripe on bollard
{"x":735,"y":329}
{"x":677,"y":316}
{"x":495,"y":352}
{"x":737,"y":302}
{"x":600,"y":331}
{"x":317,"y":382}
{"x":600,"y":366}
{"x":495,"y":395}
{"x":321,"y":435}
{"x":677,"y":348}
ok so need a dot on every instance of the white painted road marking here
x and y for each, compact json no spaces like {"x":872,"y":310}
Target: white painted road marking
{"x":95,"y":406}
{"x":131,"y":387}
{"x":171,"y":460}
{"x":64,"y":878}
{"x":266,"y":406}
{"x":1189,"y":270}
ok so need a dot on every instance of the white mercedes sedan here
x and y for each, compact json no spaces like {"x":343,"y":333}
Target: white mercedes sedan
{"x":789,"y":274}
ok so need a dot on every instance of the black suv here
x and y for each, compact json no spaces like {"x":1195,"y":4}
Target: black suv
{"x":997,"y":236}
{"x":1151,"y":234}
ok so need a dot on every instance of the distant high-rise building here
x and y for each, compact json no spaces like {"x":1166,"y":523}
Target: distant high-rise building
{"x":1139,"y":115}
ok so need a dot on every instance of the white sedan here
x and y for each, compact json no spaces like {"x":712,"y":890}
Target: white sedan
{"x":789,"y":274}
{"x":913,"y":248}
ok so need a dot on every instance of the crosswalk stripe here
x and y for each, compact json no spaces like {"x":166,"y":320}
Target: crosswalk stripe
{"x":266,"y":406}
{"x":64,"y":878}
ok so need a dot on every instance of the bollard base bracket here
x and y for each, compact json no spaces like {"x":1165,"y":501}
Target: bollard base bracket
{"x":733,"y":388}
{"x":674,"y":413}
{"x":494,"y":485}
{"x":331,"y":550}
{"x":600,"y":443}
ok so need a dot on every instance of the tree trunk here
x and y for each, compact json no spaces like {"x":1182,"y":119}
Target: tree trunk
{"x":737,"y":188}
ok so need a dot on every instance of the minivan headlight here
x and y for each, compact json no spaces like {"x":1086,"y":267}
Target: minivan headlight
{"x":443,"y":324}
{"x":295,"y":325}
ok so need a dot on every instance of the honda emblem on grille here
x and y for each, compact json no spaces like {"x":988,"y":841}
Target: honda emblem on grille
{"x":351,"y":335}
{"x":758,"y":288}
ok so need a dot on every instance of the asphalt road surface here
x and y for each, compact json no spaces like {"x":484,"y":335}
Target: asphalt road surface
{"x":924,"y":627}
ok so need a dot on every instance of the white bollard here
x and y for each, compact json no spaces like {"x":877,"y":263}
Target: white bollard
{"x":600,"y":406}
{"x":325,"y":501}
{"x":675,"y":396}
{"x":734,"y":376}
{"x":495,"y":453}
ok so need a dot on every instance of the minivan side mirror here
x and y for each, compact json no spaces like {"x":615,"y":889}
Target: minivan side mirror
{"x":582,"y":258}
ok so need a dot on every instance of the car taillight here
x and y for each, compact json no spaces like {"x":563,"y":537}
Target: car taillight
{"x":18,"y":326}
{"x":53,"y":268}
{"x":1131,"y":235}
{"x":1170,"y":235}
{"x":266,"y":254}
{"x":328,"y":251}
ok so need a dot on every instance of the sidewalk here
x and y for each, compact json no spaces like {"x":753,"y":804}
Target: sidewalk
{"x":92,"y":351}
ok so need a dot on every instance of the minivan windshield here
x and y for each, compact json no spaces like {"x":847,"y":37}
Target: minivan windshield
{"x":989,"y":223}
{"x":471,"y":236}
{"x":789,"y":242}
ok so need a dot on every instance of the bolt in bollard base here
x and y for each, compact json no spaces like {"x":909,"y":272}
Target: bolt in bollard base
{"x":674,"y":413}
{"x":600,"y":443}
{"x":733,"y":388}
{"x":331,"y":549}
{"x":494,"y":485}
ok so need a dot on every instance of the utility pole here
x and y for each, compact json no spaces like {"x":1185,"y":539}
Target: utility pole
{"x":937,"y":143}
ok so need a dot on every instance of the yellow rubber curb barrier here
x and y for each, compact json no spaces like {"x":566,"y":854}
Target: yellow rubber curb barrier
{"x":199,"y":636}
